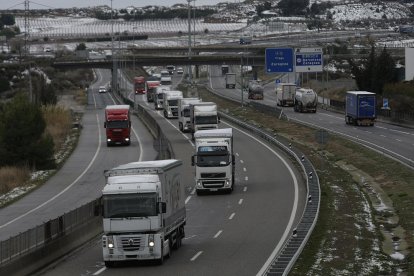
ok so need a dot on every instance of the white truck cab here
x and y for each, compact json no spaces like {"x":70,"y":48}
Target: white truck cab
{"x":214,"y":160}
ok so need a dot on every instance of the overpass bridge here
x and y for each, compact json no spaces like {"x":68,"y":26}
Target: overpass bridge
{"x":162,"y":60}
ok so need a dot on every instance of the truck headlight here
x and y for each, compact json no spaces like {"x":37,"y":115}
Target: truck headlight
{"x":151,"y":242}
{"x":127,"y":139}
{"x":199,"y":184}
{"x":108,"y":140}
{"x":227,"y":183}
{"x":110,"y":242}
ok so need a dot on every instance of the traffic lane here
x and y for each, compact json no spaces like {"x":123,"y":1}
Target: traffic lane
{"x":79,"y":181}
{"x":254,"y":217}
{"x":386,"y":138}
{"x":223,"y":229}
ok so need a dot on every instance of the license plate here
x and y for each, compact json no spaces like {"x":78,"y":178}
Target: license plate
{"x":213,"y":190}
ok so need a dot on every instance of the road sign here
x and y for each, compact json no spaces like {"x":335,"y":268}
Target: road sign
{"x":277,"y":81}
{"x":308,"y":60}
{"x":279,"y":60}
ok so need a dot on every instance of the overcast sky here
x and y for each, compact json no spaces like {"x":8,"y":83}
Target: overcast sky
{"x":42,"y":4}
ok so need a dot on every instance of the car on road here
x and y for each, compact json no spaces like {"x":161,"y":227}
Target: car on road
{"x":180,"y":70}
{"x":102,"y":89}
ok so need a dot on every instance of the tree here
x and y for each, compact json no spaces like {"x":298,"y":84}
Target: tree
{"x":372,"y":73}
{"x":293,"y":7}
{"x":7,"y":19}
{"x":81,"y":47}
{"x":22,"y":135}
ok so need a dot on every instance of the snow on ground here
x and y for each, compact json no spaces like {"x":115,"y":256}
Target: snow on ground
{"x":352,"y":12}
{"x":66,"y":26}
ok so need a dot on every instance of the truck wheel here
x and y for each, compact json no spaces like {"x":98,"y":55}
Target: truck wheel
{"x":109,"y":264}
{"x":160,"y":261}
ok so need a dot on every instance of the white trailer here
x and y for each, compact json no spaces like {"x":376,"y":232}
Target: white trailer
{"x":305,"y":100}
{"x":285,"y":94}
{"x":214,"y":160}
{"x":203,"y":116}
{"x":143,"y":211}
{"x":159,"y":95}
{"x":184,"y":112}
{"x":170,"y":103}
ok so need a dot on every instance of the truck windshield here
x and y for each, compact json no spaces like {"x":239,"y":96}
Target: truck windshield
{"x":117,"y":124}
{"x":200,"y":120}
{"x":129,"y":205}
{"x":173,"y":102}
{"x":213,"y":158}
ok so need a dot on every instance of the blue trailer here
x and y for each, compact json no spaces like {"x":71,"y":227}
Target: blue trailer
{"x":360,"y":108}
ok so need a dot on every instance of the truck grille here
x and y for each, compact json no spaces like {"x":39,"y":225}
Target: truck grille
{"x":213,"y":183}
{"x":213,"y":175}
{"x":131,"y":243}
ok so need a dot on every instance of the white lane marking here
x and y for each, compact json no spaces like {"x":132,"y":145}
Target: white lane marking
{"x":187,"y":199}
{"x":399,"y":140}
{"x":193,"y":191}
{"x":240,"y":201}
{"x":237,"y":154}
{"x":245,"y":189}
{"x":189,"y":237}
{"x":395,"y":130}
{"x":294,"y":207}
{"x":244,"y":169}
{"x":246,"y":178}
{"x":218,"y":234}
{"x":232,"y":216}
{"x":382,"y":135}
{"x":241,"y":161}
{"x":70,"y":185}
{"x":196,"y":256}
{"x":100,"y":271}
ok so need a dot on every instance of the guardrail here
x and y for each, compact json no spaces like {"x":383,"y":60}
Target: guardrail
{"x":284,"y":261}
{"x":43,"y":244}
{"x":35,"y":248}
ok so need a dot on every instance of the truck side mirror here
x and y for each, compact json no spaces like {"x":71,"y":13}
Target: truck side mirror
{"x":129,"y":123}
{"x":161,"y":207}
{"x":218,"y":118}
{"x":192,"y":160}
{"x":233,"y":159}
{"x":104,"y":124}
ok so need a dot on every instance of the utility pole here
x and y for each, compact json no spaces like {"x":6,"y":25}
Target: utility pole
{"x":114,"y":64}
{"x":189,"y":42}
{"x":27,"y":46}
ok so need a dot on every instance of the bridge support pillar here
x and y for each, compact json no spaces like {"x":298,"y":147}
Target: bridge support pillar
{"x":197,"y":71}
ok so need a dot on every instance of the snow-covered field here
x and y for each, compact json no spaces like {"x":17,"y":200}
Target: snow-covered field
{"x":70,"y":26}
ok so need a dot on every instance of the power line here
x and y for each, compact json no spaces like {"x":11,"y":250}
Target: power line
{"x":22,"y":3}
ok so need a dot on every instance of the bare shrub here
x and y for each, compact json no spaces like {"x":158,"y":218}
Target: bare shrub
{"x":12,"y":177}
{"x":58,"y":123}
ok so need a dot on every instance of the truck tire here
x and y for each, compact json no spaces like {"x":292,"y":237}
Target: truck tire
{"x":109,"y":264}
{"x":160,"y":261}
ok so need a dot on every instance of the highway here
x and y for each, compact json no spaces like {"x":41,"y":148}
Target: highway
{"x":231,"y":234}
{"x":391,"y":140}
{"x":81,"y":178}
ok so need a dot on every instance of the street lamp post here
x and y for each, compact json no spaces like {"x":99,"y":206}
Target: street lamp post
{"x":189,"y":41}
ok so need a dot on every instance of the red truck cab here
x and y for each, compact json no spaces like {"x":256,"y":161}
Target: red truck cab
{"x":139,"y":85}
{"x":117,"y":124}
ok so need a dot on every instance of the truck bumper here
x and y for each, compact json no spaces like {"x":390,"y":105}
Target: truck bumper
{"x":213,"y":185}
{"x":131,"y":247}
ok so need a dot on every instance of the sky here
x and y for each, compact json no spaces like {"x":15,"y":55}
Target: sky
{"x":45,"y":4}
